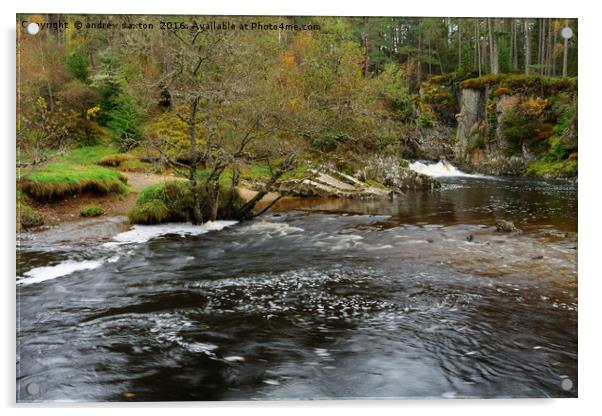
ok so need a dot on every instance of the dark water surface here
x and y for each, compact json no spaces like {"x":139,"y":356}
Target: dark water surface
{"x":415,"y":297}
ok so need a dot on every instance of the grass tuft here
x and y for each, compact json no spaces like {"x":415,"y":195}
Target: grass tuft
{"x":115,"y":160}
{"x":92,"y":211}
{"x":28,"y":217}
{"x":59,"y":180}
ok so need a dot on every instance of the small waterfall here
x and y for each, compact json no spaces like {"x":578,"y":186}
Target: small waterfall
{"x":441,"y":169}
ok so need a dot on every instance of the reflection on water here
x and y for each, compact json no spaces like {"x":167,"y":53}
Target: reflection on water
{"x":526,"y":202}
{"x":414,"y":297}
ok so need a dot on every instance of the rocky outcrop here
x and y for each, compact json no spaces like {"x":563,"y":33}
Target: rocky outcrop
{"x":471,"y":121}
{"x":381,"y":176}
{"x":431,"y":143}
{"x":480,"y":142}
{"x":395,"y":173}
{"x":332,"y":183}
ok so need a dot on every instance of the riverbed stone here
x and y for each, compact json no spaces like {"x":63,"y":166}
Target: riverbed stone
{"x":503,"y":226}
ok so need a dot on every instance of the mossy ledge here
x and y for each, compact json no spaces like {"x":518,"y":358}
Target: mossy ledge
{"x":172,"y":202}
{"x":59,"y":180}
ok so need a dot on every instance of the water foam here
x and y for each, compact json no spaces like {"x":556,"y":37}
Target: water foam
{"x":137,"y":235}
{"x":441,"y":169}
{"x":143,"y":233}
{"x":273,"y":228}
{"x":40,"y":274}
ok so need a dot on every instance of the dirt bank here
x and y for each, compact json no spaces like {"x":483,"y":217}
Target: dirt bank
{"x":69,"y":209}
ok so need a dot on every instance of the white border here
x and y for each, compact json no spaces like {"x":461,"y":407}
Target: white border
{"x":590,"y":125}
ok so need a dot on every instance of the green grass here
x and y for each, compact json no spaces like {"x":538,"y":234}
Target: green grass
{"x":92,"y":211}
{"x":58,"y":180}
{"x":88,"y":154}
{"x":73,"y":173}
{"x":255,"y":172}
{"x":564,"y":168}
{"x":262,"y":172}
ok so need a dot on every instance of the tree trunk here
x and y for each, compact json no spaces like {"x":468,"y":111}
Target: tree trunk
{"x":418,"y":56}
{"x":513,"y":45}
{"x":197,"y":217}
{"x":367,"y":46}
{"x":539,"y":43}
{"x":430,"y":57}
{"x":554,"y":41}
{"x":477,"y":36}
{"x":459,"y":44}
{"x":527,"y":49}
{"x":215,"y":200}
{"x":493,"y":47}
{"x":550,"y":47}
{"x":542,"y":69}
{"x":246,"y":209}
{"x":565,"y":51}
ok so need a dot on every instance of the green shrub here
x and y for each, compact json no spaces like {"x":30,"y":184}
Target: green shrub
{"x":154,"y":212}
{"x":92,"y":211}
{"x":87,"y":133}
{"x":125,"y":121}
{"x":28,"y":217}
{"x":426,"y":119}
{"x":77,"y":62}
{"x":58,"y":180}
{"x":525,"y":124}
{"x":441,"y":100}
{"x":327,"y":140}
{"x":173,"y":201}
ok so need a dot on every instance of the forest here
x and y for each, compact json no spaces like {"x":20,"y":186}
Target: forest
{"x":223,"y":108}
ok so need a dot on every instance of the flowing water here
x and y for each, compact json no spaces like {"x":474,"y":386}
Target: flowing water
{"x":413,"y":297}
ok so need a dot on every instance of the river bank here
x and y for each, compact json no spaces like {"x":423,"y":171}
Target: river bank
{"x":69,"y":209}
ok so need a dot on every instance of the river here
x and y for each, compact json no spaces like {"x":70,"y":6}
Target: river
{"x":415,"y":297}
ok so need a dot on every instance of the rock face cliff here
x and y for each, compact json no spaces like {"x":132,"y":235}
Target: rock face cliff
{"x":503,"y":124}
{"x":471,"y":121}
{"x":480,"y":140}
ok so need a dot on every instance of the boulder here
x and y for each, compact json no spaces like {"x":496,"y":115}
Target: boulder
{"x":396,"y":174}
{"x":503,"y":226}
